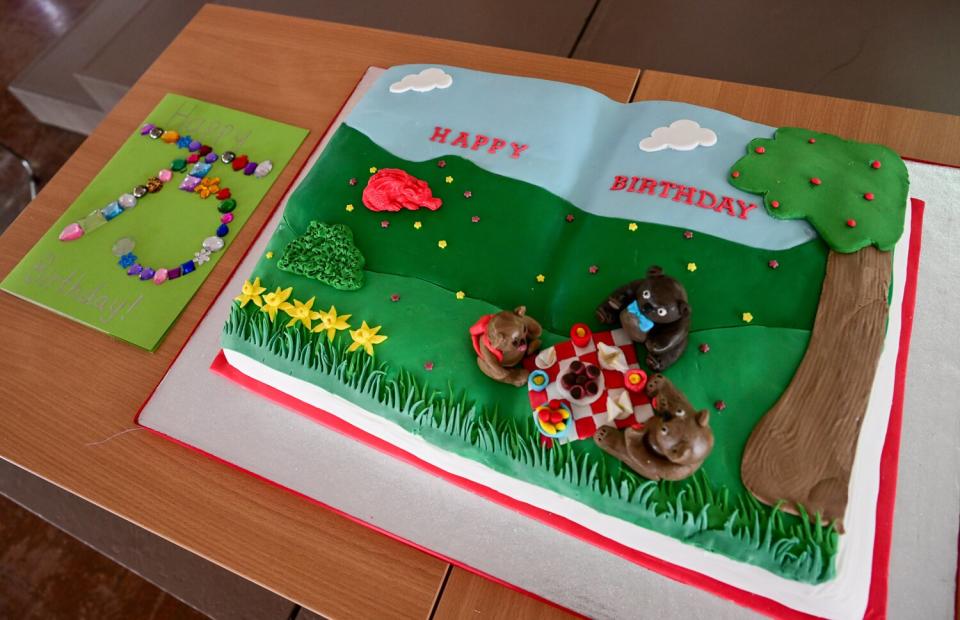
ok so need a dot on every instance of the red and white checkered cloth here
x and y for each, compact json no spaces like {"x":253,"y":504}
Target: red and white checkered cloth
{"x":588,"y":418}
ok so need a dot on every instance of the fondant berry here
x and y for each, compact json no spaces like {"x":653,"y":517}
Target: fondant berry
{"x":760,"y":150}
{"x":735,"y":174}
{"x":852,"y":223}
{"x":775,"y":204}
{"x":868,"y":196}
{"x":812,"y":140}
{"x":875,"y":164}
{"x":704,"y":348}
{"x":720,"y":405}
{"x":815,"y":181}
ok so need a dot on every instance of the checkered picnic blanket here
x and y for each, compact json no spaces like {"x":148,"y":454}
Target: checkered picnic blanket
{"x":588,"y":418}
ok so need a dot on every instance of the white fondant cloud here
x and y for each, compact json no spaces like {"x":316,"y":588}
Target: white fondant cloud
{"x":681,"y":135}
{"x":422,"y":82}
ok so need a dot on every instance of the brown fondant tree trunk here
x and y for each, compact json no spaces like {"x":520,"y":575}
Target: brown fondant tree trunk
{"x":802,"y":450}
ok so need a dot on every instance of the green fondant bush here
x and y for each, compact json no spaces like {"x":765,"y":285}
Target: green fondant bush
{"x":326,"y":253}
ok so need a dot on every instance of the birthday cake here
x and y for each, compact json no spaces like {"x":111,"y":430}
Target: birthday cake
{"x":672,"y":330}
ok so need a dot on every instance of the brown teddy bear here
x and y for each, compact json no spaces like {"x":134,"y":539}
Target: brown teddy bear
{"x":502,"y":340}
{"x":654,"y":312}
{"x":672,"y":445}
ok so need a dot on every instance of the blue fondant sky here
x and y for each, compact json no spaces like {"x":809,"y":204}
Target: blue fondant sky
{"x":578,"y":141}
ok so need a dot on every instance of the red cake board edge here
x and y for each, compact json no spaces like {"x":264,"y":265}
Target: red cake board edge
{"x":877,"y":602}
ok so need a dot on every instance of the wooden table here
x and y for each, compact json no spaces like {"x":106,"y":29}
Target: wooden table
{"x":66,"y":409}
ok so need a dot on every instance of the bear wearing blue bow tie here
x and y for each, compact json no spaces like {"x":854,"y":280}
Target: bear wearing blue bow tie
{"x":654,"y":312}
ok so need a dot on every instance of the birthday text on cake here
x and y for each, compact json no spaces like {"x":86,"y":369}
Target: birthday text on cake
{"x":687,"y":194}
{"x":478,"y":141}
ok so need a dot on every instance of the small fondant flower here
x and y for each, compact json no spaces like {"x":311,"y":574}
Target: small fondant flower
{"x":277,"y":300}
{"x":418,"y":225}
{"x":747,"y":317}
{"x":251,"y":292}
{"x":373,"y":169}
{"x":384,"y":223}
{"x":691,"y":266}
{"x":207,"y":186}
{"x":442,"y":244}
{"x":349,"y":208}
{"x":467,"y":194}
{"x":302,"y":312}
{"x":449,"y":179}
{"x":366,"y":337}
{"x":632,"y":226}
{"x":570,"y":217}
{"x":331,"y":322}
{"x":541,"y":277}
{"x":127,"y":259}
{"x":201,"y":256}
{"x":593,"y":269}
{"x":461,"y":294}
{"x":475,"y":219}
{"x":395,"y":297}
{"x":428,"y":365}
{"x":269,"y":255}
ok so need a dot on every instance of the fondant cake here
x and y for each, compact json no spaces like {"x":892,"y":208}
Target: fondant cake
{"x":672,"y":330}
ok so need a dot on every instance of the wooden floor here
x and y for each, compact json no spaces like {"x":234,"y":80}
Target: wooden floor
{"x":45,"y":573}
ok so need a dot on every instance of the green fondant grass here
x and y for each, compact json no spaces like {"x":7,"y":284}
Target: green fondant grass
{"x":695,"y":510}
{"x":523,"y":232}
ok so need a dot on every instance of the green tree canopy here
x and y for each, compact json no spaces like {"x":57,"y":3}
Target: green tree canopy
{"x":853,"y":193}
{"x":326,"y":253}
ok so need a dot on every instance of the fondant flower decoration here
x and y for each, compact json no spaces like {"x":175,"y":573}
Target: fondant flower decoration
{"x":442,"y":244}
{"x":268,"y":255}
{"x":201,"y":256}
{"x":331,"y":322}
{"x":461,"y":294}
{"x":541,"y":277}
{"x":366,"y":337}
{"x":691,"y":266}
{"x":277,"y":300}
{"x":418,"y":225}
{"x":593,"y":269}
{"x":207,"y":186}
{"x":747,"y":317}
{"x":632,"y":226}
{"x":349,"y":208}
{"x":611,"y":358}
{"x":448,"y":179}
{"x":251,"y":292}
{"x":127,"y":260}
{"x":373,"y":169}
{"x":302,"y":312}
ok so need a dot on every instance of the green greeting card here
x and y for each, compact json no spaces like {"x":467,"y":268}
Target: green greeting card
{"x":106,"y":274}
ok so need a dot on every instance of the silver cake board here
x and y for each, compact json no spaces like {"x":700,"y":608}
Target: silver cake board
{"x":291,"y":450}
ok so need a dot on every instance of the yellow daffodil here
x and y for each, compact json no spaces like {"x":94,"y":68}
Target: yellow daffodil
{"x":747,"y":317}
{"x":365,"y":337}
{"x":331,"y":323}
{"x":277,"y":300}
{"x":632,"y":226}
{"x":302,"y":312}
{"x":442,"y":244}
{"x":251,"y":292}
{"x":541,"y":277}
{"x":691,"y":266}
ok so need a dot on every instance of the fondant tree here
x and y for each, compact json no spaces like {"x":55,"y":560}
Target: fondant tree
{"x":325,"y":252}
{"x":855,"y":196}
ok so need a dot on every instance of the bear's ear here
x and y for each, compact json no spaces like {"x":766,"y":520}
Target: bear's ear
{"x":683,"y":308}
{"x":703,"y":417}
{"x":520,"y":310}
{"x":654,"y":271}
